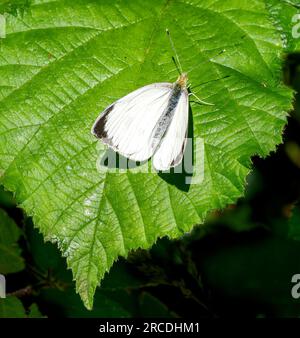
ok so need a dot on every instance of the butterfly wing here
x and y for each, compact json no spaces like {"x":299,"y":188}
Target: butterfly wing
{"x":172,"y":146}
{"x":128,"y":125}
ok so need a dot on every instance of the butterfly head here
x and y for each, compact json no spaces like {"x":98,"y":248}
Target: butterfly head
{"x":182,"y":80}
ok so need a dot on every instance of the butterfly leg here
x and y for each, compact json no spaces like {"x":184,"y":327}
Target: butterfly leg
{"x":201,"y":101}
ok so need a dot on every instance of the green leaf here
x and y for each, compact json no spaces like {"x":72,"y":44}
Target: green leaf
{"x":34,"y":312}
{"x":12,"y":307}
{"x":64,"y":61}
{"x":286,"y":17}
{"x":10,"y":253}
{"x":6,"y":199}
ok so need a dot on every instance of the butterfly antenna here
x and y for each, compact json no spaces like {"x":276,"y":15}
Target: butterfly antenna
{"x":175,"y":58}
{"x":203,"y":83}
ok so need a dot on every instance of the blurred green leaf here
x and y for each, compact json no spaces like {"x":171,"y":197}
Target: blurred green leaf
{"x":12,"y":307}
{"x":6,"y":198}
{"x":10,"y":253}
{"x":34,"y":312}
{"x":153,"y":307}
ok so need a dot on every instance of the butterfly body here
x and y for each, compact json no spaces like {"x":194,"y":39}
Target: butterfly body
{"x":179,"y":88}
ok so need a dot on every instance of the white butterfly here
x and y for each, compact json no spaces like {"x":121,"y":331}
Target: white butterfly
{"x":152,"y":121}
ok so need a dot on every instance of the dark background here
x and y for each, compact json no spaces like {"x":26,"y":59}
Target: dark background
{"x":240,"y":263}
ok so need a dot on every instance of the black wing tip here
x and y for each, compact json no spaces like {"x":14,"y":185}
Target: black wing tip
{"x":93,"y":131}
{"x":98,"y":129}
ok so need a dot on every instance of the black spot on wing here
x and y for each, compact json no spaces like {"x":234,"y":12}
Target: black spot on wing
{"x":99,"y":126}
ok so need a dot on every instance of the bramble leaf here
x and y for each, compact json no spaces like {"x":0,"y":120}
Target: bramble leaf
{"x":62,"y":62}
